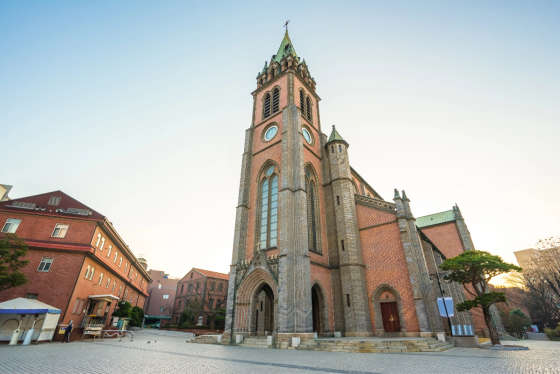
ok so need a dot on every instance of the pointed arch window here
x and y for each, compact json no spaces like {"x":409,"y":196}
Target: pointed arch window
{"x":268,"y":209}
{"x":301,"y":102}
{"x":312,"y":211}
{"x":266,"y":105}
{"x":275,"y":100}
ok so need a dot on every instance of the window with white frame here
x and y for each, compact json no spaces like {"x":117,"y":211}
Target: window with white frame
{"x":159,"y":286}
{"x":98,"y":240}
{"x":45,"y":264}
{"x":88,"y":270}
{"x":102,"y":244}
{"x":114,"y":286}
{"x":59,"y":230}
{"x":120,"y":261}
{"x":116,"y":255}
{"x":108,"y":282}
{"x":165,"y":297}
{"x":91,"y":274}
{"x":100,"y":279}
{"x":11,"y":225}
{"x":109,"y":250}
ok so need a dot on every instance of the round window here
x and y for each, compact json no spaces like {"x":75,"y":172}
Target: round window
{"x":270,"y":133}
{"x":307,"y":135}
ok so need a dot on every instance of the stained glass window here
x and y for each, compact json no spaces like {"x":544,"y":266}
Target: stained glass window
{"x":268,"y":232}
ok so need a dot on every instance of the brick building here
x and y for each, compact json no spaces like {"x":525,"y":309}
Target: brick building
{"x":316,"y":249}
{"x":206,"y":288}
{"x":77,"y":260}
{"x":161,"y":299}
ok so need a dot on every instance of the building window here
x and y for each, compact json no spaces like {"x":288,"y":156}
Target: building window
{"x":307,"y":135}
{"x":159,"y":286}
{"x":301,"y":102}
{"x":160,"y":309}
{"x":45,"y":264}
{"x":268,"y":232}
{"x":98,"y":240}
{"x":212,"y":285}
{"x":11,"y":225}
{"x":337,"y":200}
{"x":102,"y":244}
{"x":59,"y":230}
{"x":33,"y":296}
{"x":266,"y":105}
{"x":308,"y":108}
{"x":275,"y":100}
{"x":311,"y":217}
{"x":91,"y":274}
{"x":220,"y":286}
{"x":108,"y":282}
{"x":197,"y":285}
{"x":88,"y":269}
{"x":114,"y":286}
{"x":189,"y":288}
{"x":54,"y":200}
{"x":165,"y":297}
{"x":100,"y":279}
{"x":116,"y":255}
{"x":120,"y":261}
{"x":210,"y":303}
{"x":109,"y":250}
{"x":348,"y":299}
{"x":270,"y":133}
{"x":339,"y":148}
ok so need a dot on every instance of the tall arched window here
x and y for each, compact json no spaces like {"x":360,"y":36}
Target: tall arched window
{"x":312,"y":210}
{"x":301,"y":102}
{"x":266,"y":105}
{"x":308,"y":107}
{"x":268,"y":221}
{"x":275,"y":100}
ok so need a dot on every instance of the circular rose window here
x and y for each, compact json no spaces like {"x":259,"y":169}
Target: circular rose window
{"x":307,"y":135}
{"x":270,"y":133}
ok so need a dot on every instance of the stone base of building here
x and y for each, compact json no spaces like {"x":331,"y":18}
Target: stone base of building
{"x":358,"y":333}
{"x":292,"y":339}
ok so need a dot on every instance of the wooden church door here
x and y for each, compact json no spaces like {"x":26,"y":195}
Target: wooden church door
{"x":390,"y":315}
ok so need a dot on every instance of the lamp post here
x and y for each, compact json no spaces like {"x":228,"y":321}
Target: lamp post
{"x":436,"y":277}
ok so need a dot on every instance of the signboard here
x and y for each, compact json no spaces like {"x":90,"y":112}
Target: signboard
{"x":445,"y":306}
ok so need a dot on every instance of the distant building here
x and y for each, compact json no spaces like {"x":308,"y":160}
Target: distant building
{"x":78,"y":262}
{"x":4,"y":189}
{"x":207,"y":288}
{"x":161,"y":290}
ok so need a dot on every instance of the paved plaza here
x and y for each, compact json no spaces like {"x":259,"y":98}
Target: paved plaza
{"x":168,"y":352}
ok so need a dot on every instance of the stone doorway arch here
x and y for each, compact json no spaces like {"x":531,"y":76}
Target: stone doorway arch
{"x":387,"y":305}
{"x":318,"y":310}
{"x":262,"y":321}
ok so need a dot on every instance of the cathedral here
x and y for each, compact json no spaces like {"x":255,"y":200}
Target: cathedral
{"x":317,"y":251}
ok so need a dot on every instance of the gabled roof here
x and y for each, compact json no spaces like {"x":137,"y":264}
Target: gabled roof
{"x":435,"y":219}
{"x":60,"y":204}
{"x":212,"y":274}
{"x":286,"y":49}
{"x":21,"y":305}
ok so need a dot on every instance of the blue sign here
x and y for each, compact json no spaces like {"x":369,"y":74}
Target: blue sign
{"x":447,"y":309}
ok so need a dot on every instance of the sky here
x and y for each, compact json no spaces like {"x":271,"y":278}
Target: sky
{"x":138,"y":109}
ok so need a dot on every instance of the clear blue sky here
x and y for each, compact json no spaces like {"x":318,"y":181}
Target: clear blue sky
{"x":138,"y":109}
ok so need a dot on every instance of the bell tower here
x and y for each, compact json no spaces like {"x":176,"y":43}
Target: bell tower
{"x":271,"y":235}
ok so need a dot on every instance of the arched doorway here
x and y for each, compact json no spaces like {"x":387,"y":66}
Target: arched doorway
{"x":317,"y":309}
{"x":388,"y":311}
{"x":263,"y":311}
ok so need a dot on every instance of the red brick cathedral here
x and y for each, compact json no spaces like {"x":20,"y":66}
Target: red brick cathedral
{"x":317,"y":250}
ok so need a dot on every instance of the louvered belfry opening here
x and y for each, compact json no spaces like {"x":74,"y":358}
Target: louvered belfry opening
{"x":275,"y":100}
{"x":266,"y":110}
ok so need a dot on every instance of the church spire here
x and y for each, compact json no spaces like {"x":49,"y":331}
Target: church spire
{"x":335,"y":136}
{"x":286,"y":49}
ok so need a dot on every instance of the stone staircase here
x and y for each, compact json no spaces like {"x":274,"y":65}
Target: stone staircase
{"x":206,"y":339}
{"x":256,"y":342}
{"x":370,"y":345}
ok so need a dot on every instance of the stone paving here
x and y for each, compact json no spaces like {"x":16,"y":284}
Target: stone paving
{"x":169,"y":352}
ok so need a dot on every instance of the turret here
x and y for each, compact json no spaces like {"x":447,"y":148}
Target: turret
{"x":352,"y":275}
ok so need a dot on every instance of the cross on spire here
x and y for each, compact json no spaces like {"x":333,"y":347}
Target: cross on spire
{"x":286,"y":24}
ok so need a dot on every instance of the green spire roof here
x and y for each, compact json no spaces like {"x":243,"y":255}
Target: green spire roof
{"x":286,"y":49}
{"x":335,"y":136}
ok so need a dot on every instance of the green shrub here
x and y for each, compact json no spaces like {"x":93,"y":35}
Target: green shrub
{"x":136,"y":316}
{"x":553,"y":334}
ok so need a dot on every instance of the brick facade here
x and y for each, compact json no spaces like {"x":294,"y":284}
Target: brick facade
{"x":206,"y":288}
{"x":85,"y":280}
{"x":354,"y":263}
